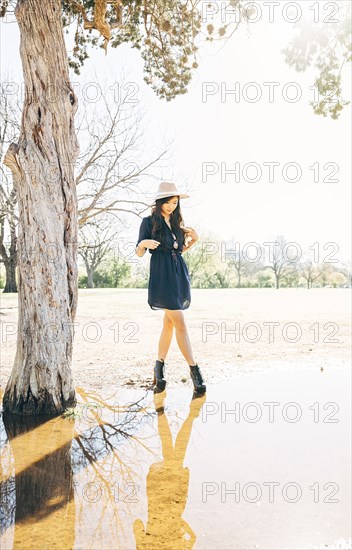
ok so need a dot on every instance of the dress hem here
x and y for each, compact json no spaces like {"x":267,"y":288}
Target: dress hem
{"x":155,"y":308}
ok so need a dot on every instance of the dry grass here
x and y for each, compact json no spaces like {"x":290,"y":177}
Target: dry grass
{"x":117,"y":335}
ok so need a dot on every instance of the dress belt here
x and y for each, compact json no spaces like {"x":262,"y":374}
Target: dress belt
{"x":174,"y":254}
{"x":165,"y":249}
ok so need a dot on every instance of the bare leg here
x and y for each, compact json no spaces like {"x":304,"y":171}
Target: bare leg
{"x":165,"y":337}
{"x":181,"y":334}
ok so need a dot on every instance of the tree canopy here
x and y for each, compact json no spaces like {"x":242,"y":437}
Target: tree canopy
{"x":163,"y":30}
{"x":166,"y":33}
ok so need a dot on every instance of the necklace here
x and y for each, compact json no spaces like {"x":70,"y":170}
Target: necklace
{"x":175,"y":243}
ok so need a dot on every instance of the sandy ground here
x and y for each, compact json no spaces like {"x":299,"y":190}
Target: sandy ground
{"x":244,"y":363}
{"x":232,"y":332}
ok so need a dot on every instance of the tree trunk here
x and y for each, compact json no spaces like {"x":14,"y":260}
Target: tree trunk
{"x":277,"y":278}
{"x":10,"y":269}
{"x":90,"y":282}
{"x":42,"y":165}
{"x":9,"y":258}
{"x":10,"y":261}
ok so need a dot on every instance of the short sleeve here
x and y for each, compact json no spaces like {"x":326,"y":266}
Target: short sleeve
{"x":144,"y":230}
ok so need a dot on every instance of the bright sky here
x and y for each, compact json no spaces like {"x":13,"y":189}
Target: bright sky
{"x":214,"y":137}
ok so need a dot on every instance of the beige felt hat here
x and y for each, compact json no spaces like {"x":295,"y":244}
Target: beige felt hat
{"x":167,"y":189}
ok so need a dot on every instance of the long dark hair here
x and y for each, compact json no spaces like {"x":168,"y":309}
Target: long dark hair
{"x":176,"y":220}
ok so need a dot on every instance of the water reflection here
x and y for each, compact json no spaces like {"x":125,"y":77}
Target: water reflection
{"x":129,"y":472}
{"x":167,"y":487}
{"x":39,"y":498}
{"x":77,"y":482}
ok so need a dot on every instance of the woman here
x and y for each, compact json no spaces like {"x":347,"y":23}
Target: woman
{"x":164,"y":235}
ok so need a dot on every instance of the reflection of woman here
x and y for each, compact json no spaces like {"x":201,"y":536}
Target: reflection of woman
{"x":167,"y":488}
{"x":164,"y":235}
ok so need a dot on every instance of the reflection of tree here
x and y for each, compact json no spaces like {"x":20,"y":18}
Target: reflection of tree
{"x":167,"y":487}
{"x":40,"y":498}
{"x":43,"y":490}
{"x":70,"y":478}
{"x":99,"y":450}
{"x":7,"y":488}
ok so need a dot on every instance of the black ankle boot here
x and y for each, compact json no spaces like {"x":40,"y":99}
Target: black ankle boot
{"x":159,"y":380}
{"x":197,"y":379}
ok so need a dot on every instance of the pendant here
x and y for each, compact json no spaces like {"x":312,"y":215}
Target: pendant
{"x":175,"y":244}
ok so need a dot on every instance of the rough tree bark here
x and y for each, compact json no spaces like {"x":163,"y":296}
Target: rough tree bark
{"x":42,"y":165}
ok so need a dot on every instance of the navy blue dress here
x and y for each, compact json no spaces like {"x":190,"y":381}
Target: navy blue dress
{"x":169,"y":283}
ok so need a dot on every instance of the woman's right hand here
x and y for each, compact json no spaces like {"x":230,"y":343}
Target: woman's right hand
{"x":150,"y":243}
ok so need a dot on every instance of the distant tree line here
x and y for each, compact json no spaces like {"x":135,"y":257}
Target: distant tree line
{"x":211,"y":264}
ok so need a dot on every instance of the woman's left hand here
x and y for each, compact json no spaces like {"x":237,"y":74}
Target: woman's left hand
{"x":190,"y":232}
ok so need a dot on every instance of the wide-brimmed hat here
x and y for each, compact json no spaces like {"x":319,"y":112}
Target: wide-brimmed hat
{"x":168,"y":189}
